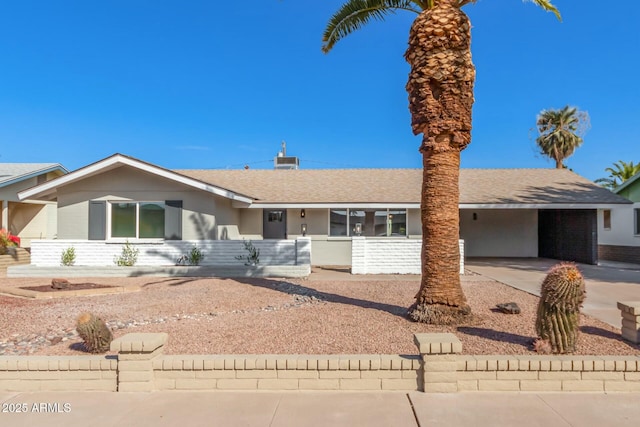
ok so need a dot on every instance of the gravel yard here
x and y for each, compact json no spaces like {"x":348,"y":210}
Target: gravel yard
{"x":280,"y":316}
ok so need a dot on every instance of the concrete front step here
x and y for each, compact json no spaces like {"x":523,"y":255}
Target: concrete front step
{"x":160,"y":271}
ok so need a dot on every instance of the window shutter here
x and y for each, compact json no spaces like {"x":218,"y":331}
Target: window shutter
{"x":97,"y":220}
{"x":173,"y":220}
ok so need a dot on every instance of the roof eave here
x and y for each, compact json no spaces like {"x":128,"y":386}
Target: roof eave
{"x":117,"y":160}
{"x":33,"y":174}
{"x":627,"y":183}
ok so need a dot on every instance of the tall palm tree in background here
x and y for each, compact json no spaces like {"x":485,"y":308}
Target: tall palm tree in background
{"x":561,"y":132}
{"x":619,"y":173}
{"x":440,"y":88}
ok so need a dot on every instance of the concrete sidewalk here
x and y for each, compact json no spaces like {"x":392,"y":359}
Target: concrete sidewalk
{"x":335,"y":409}
{"x":606,"y":284}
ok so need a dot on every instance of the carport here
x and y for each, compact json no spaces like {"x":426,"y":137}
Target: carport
{"x":532,"y":213}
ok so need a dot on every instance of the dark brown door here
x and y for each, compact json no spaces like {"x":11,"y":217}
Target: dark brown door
{"x":568,"y":235}
{"x":274,"y":224}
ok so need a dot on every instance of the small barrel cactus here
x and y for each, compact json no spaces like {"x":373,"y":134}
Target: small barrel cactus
{"x":96,"y":334}
{"x":561,"y":296}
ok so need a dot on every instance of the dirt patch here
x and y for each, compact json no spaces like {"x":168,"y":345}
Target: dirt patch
{"x":72,"y":287}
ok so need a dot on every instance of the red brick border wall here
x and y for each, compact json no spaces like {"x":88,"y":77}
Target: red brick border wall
{"x":619,"y":253}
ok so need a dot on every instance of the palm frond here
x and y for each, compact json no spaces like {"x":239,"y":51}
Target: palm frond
{"x":354,"y":14}
{"x":608,"y":183}
{"x":546,"y":5}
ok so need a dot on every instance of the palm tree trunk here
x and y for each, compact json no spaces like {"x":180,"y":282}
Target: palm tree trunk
{"x":440,"y":91}
{"x":440,"y":299}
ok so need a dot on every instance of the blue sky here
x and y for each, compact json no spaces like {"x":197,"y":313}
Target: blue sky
{"x":208,"y":84}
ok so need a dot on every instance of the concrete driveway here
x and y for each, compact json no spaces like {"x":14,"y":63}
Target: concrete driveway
{"x":606,"y":284}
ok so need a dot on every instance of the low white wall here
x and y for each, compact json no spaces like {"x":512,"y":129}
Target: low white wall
{"x":48,"y":253}
{"x":389,"y":256}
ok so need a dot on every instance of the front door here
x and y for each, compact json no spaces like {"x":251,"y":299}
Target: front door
{"x":274,"y":224}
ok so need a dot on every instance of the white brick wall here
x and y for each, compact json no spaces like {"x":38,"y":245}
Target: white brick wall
{"x":389,"y":256}
{"x":47,"y":253}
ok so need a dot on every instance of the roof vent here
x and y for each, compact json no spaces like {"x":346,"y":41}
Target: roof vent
{"x":281,"y":161}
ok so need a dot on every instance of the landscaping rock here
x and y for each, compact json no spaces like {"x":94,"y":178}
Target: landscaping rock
{"x":60,"y":283}
{"x":508,"y":308}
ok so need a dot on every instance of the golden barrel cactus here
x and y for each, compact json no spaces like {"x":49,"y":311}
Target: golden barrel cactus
{"x":94,"y":332}
{"x":561,"y":296}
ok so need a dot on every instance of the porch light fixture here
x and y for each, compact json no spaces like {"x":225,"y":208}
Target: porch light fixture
{"x":358,"y":228}
{"x":475,"y":216}
{"x":303,"y":229}
{"x":303,"y":213}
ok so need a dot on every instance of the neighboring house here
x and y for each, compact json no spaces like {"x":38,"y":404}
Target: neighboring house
{"x":366,"y":218}
{"x":27,"y":219}
{"x":619,"y":227}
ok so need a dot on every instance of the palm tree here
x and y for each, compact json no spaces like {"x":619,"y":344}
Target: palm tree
{"x":440,"y":88}
{"x":561,"y":132}
{"x":621,"y":171}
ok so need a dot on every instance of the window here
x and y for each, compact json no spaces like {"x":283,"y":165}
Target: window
{"x":275,"y":216}
{"x":137,"y":220}
{"x":338,"y":222}
{"x":368,"y":222}
{"x":606,"y":219}
{"x":637,"y":221}
{"x":397,"y":223}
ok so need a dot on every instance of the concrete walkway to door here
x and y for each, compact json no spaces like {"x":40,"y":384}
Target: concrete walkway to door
{"x":606,"y":284}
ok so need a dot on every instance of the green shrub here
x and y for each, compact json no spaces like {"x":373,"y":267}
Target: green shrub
{"x":128,"y":257}
{"x":194,"y":257}
{"x":253,"y":254}
{"x":68,"y":257}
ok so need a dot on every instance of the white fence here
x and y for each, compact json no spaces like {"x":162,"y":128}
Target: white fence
{"x":48,"y":253}
{"x":389,"y":256}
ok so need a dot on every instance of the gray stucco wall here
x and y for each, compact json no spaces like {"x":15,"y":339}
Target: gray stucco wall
{"x":324,"y":250}
{"x":251,"y":223}
{"x":202,"y":211}
{"x":317,"y":221}
{"x":499,"y":232}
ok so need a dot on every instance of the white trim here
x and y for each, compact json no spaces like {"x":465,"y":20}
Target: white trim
{"x":540,"y":206}
{"x":258,"y":205}
{"x":334,"y":205}
{"x":117,"y":160}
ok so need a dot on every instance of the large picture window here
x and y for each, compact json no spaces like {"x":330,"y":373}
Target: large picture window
{"x":368,"y":222}
{"x":137,"y":220}
{"x":637,"y":221}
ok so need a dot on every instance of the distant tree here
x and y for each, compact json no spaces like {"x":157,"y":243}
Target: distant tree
{"x":619,"y":173}
{"x":560,"y":132}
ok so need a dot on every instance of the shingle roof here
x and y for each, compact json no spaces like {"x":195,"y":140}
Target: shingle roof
{"x":477,"y":186}
{"x":12,"y":172}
